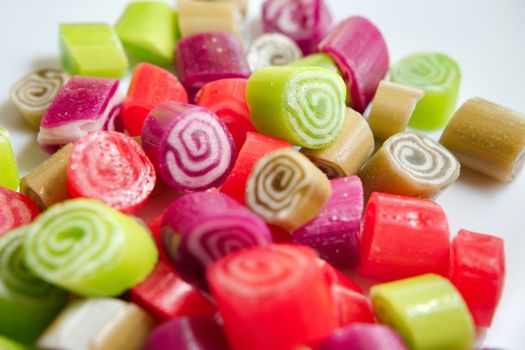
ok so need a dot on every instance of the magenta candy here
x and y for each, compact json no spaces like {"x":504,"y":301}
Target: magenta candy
{"x":360,"y":51}
{"x":363,"y":336}
{"x":190,"y":146}
{"x":334,"y":233}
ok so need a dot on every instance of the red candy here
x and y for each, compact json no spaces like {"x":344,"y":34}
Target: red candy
{"x":478,"y":272}
{"x":15,"y":210}
{"x":403,"y":237}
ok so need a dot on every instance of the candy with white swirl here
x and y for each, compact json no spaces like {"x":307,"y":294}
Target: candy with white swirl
{"x":273,"y":49}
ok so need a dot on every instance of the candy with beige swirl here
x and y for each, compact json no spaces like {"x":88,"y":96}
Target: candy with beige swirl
{"x":273,"y":49}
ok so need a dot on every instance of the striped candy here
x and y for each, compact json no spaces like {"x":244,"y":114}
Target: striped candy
{"x":16,"y":210}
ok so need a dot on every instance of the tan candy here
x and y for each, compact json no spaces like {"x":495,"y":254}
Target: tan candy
{"x":208,"y":16}
{"x":242,"y":4}
{"x":488,"y":138}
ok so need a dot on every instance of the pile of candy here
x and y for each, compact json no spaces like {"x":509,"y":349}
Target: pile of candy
{"x":248,"y":256}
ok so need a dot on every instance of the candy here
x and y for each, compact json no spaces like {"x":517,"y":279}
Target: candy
{"x":272,"y":50}
{"x":15,"y":210}
{"x":28,"y":304}
{"x":33,"y":94}
{"x":281,"y":287}
{"x":242,"y":4}
{"x":98,"y":324}
{"x":477,"y":269}
{"x":304,"y":105}
{"x":148,"y":30}
{"x":488,"y":138}
{"x":197,"y":17}
{"x":9,"y":169}
{"x":362,"y":336}
{"x":89,"y":248}
{"x":206,"y":57}
{"x":111,"y":167}
{"x":334,"y":232}
{"x":227,"y":99}
{"x":392,"y":108}
{"x":360,"y":51}
{"x":439,"y":77}
{"x":83,"y":105}
{"x":403,"y":237}
{"x":286,"y":189}
{"x":255,"y":147}
{"x":410,"y":164}
{"x":46,"y":184}
{"x":190,"y":146}
{"x":305,"y":21}
{"x":320,"y":60}
{"x":149,"y":87}
{"x":93,"y":50}
{"x":8,"y":344}
{"x":352,"y":148}
{"x":427,"y":311}
{"x":188,"y":333}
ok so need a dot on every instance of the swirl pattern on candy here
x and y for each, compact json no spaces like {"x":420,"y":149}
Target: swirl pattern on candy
{"x":16,"y":210}
{"x":272,"y":49}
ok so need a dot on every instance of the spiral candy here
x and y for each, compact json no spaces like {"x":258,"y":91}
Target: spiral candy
{"x":16,"y":210}
{"x":272,"y":49}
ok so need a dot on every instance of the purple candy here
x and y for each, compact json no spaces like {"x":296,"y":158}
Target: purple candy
{"x":189,"y":145}
{"x":334,"y":233}
{"x":85,"y":104}
{"x":363,"y":336}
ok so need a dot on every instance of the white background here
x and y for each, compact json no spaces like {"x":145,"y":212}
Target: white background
{"x":487,"y":38}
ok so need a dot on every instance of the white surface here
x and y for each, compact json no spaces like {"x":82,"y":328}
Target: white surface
{"x":485,"y":37}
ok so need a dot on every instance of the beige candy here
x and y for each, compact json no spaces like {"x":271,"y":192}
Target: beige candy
{"x":206,"y":16}
{"x":242,"y":4}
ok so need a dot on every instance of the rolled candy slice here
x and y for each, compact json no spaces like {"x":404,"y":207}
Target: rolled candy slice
{"x":427,"y":311}
{"x":83,"y":105}
{"x":272,"y":49}
{"x":112,"y":168}
{"x":334,"y":232}
{"x":98,"y":324}
{"x":89,"y":248}
{"x":305,"y":21}
{"x":488,"y":138}
{"x":188,"y":333}
{"x":286,"y":189}
{"x":363,"y":336}
{"x":227,"y":99}
{"x":392,"y":108}
{"x":304,"y":105}
{"x":439,"y":77}
{"x":360,"y":51}
{"x":403,"y":237}
{"x":8,"y":344}
{"x":28,"y":304}
{"x":319,"y":59}
{"x":16,"y":210}
{"x":352,"y":148}
{"x":410,"y":164}
{"x":197,"y":17}
{"x":200,"y":228}
{"x":206,"y":57}
{"x":255,"y":147}
{"x":33,"y":93}
{"x":190,"y":146}
{"x":477,"y":269}
{"x":150,"y":86}
{"x":8,"y":169}
{"x":280,"y":286}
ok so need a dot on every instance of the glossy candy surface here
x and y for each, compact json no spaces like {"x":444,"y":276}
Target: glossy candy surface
{"x":9,"y":169}
{"x":319,"y":59}
{"x":360,"y":336}
{"x":196,"y":17}
{"x":16,"y":210}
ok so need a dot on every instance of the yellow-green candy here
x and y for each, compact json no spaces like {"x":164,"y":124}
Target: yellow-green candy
{"x":8,"y":169}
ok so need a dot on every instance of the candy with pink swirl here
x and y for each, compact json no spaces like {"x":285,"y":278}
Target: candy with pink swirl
{"x":16,"y":210}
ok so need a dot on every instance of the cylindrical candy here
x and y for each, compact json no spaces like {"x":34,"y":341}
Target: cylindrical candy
{"x":272,"y":49}
{"x":286,"y":189}
{"x":403,"y":237}
{"x":189,"y":145}
{"x":488,"y":138}
{"x":427,"y":311}
{"x":439,"y":77}
{"x":319,"y":59}
{"x":360,"y":51}
{"x":8,"y":168}
{"x":197,"y":17}
{"x":282,"y":288}
{"x":304,"y":105}
{"x":363,"y":336}
{"x":112,"y":168}
{"x":16,"y":210}
{"x":410,"y":164}
{"x":89,"y":248}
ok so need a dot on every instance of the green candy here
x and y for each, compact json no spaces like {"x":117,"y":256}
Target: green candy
{"x":88,"y":248}
{"x":9,"y":177}
{"x":304,"y":105}
{"x":27,"y":304}
{"x":439,"y":77}
{"x":92,"y":50}
{"x":149,"y":30}
{"x":8,"y":344}
{"x":320,"y":60}
{"x":427,"y":311}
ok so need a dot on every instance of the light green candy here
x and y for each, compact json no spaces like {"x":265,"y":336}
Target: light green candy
{"x":92,"y":50}
{"x":427,"y":311}
{"x":321,"y":60}
{"x":8,"y":344}
{"x":88,"y":248}
{"x":149,"y":30}
{"x":27,"y":304}
{"x":304,"y":105}
{"x":439,"y":77}
{"x":9,"y":177}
